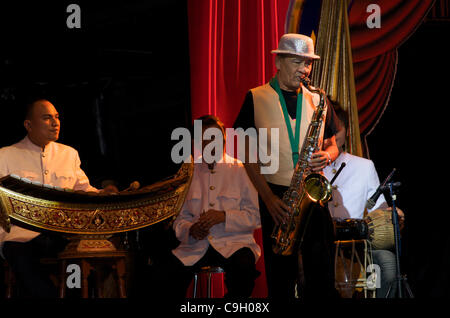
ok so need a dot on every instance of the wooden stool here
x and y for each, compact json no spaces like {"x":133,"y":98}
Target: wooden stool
{"x":88,"y":262}
{"x":211,"y":273}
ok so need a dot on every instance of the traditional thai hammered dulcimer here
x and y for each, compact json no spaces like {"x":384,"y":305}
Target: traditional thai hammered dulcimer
{"x":89,"y":213}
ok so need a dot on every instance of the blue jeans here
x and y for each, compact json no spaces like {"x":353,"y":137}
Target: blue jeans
{"x":386,"y":260}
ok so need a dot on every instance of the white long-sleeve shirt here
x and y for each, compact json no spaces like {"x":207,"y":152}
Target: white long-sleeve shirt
{"x":58,"y":165}
{"x":225,"y":188}
{"x":356,"y":183}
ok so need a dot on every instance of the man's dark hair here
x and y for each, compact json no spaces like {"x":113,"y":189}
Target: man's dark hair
{"x":211,"y":120}
{"x":340,"y":112}
{"x":30,"y":105}
{"x":208,"y":121}
{"x":342,"y":115}
{"x":342,"y":118}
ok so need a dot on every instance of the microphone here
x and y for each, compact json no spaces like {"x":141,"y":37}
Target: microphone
{"x":394,"y":185}
{"x":373,"y":199}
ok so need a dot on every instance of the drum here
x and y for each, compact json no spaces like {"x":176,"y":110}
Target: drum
{"x":351,"y":261}
{"x":351,"y":229}
{"x":381,"y":230}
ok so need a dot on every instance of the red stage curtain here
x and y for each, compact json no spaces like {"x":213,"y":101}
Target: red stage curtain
{"x":375,"y":51}
{"x":230,"y":43}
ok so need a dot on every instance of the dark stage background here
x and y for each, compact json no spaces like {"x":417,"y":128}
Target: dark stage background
{"x":120,"y":82}
{"x":410,"y":137}
{"x":121,"y":85}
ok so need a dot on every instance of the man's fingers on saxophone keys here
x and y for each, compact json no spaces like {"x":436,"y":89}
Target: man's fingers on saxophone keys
{"x":282,"y":210}
{"x":278,"y":219}
{"x":318,"y":158}
{"x":318,"y":161}
{"x":278,"y":214}
{"x":284,"y":207}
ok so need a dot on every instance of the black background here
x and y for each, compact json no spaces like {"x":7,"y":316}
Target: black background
{"x":121,"y":85}
{"x":120,"y":82}
{"x":411,"y":137}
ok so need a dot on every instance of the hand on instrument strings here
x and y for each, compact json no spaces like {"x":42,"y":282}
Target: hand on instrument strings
{"x":197,"y":231}
{"x":277,"y":208}
{"x":319,"y":160}
{"x":210,"y":218}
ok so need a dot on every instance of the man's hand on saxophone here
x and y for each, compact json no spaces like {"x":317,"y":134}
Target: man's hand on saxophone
{"x":276,"y":207}
{"x":319,"y":160}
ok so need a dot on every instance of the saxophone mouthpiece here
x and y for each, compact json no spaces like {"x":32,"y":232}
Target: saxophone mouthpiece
{"x":305,"y":81}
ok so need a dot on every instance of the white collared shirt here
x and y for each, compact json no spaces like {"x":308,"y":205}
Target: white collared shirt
{"x":57,"y":165}
{"x":225,"y":188}
{"x":356,"y":183}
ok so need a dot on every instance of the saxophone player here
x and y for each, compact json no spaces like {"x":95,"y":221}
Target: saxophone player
{"x":285,"y":103}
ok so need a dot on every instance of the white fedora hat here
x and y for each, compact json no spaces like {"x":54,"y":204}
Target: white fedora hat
{"x":296,"y":44}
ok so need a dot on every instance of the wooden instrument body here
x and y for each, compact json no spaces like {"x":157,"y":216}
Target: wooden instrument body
{"x":76,"y":212}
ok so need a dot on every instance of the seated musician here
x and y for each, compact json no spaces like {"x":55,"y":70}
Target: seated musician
{"x":215,"y":227}
{"x":38,"y":157}
{"x":357,"y":182}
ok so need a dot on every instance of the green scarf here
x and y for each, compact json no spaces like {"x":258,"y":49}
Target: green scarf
{"x":294,"y":140}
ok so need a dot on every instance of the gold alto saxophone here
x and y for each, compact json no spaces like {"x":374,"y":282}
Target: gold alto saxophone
{"x":307,"y":189}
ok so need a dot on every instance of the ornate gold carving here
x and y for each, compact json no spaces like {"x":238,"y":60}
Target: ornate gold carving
{"x":159,"y":201}
{"x":95,"y":245}
{"x":5,"y":222}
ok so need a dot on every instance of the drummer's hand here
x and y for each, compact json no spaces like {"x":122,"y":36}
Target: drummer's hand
{"x":110,"y":189}
{"x":319,"y":160}
{"x":401,"y":217}
{"x":277,"y":208}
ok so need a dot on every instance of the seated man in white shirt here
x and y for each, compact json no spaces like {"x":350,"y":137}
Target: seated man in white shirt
{"x":356,"y":183}
{"x":215,"y":227}
{"x":39,"y":158}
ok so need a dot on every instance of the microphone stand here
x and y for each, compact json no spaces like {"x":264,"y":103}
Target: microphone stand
{"x":400,"y":280}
